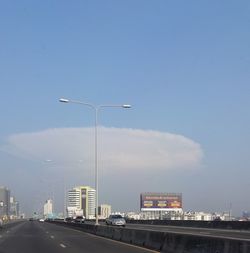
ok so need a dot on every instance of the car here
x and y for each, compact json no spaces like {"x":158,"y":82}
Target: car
{"x":68,"y":219}
{"x":41,"y":220}
{"x":79,"y":219}
{"x":116,"y":219}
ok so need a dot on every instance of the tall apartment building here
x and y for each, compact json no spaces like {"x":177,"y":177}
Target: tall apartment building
{"x":74,"y":203}
{"x":48,"y":208}
{"x":81,"y":201}
{"x":4,"y":201}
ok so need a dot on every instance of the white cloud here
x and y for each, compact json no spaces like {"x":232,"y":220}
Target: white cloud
{"x":119,"y":149}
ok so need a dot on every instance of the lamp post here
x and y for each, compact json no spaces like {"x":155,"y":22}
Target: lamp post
{"x":96,"y":108}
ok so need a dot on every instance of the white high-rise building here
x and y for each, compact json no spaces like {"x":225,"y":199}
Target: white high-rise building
{"x":91,"y":197}
{"x":48,"y":208}
{"x":81,"y":201}
{"x":74,"y":203}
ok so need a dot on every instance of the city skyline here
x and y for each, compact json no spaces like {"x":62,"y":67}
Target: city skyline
{"x":184,"y":68}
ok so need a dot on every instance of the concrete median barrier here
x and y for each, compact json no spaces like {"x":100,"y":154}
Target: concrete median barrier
{"x":154,"y":240}
{"x":140,"y":237}
{"x":193,"y":244}
{"x":117,"y":235}
{"x":127,"y":235}
{"x":105,"y":231}
{"x":100,"y":230}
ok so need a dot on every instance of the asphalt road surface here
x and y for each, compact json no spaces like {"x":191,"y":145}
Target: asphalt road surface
{"x":43,"y":237}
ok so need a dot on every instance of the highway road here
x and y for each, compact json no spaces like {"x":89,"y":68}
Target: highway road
{"x":43,"y":237}
{"x":205,"y":232}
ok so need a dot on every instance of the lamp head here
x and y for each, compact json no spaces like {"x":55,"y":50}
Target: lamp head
{"x":63,"y":100}
{"x":126,"y":106}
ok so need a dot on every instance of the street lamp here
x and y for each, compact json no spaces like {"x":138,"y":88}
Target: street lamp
{"x":96,"y":108}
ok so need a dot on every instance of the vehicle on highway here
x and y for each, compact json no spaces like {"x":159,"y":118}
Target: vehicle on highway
{"x":116,"y":219}
{"x":79,"y":219}
{"x":68,"y":219}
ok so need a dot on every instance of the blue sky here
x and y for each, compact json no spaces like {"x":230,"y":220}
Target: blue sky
{"x":183,"y":65}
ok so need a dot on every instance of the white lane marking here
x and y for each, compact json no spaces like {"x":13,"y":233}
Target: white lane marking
{"x":7,"y":231}
{"x":62,"y":245}
{"x":52,"y":236}
{"x":1,"y":236}
{"x":85,"y":234}
{"x":126,"y":244}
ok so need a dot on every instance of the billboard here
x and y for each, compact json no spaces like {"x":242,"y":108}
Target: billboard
{"x":160,"y":201}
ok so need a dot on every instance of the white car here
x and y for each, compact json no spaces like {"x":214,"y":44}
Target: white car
{"x":116,"y":219}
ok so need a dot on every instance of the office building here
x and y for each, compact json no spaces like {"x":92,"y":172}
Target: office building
{"x":104,"y":211}
{"x":48,"y":209}
{"x":4,"y":201}
{"x":14,"y":208}
{"x":81,"y":201}
{"x":74,"y":203}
